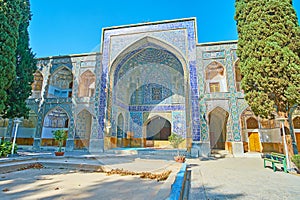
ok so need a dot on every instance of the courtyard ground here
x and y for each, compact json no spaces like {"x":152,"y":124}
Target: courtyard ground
{"x":59,"y":180}
{"x":226,"y":178}
{"x":240,"y":178}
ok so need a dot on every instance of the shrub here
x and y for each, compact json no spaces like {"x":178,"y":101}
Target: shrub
{"x":296,"y":160}
{"x":175,"y":140}
{"x":60,"y":136}
{"x":5,"y":148}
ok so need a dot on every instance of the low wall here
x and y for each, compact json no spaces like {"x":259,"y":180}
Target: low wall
{"x":177,"y":188}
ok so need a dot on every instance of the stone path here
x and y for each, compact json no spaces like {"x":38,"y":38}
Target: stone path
{"x":240,"y":178}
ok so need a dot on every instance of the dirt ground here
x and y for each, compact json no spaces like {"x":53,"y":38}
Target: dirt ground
{"x":66,"y":184}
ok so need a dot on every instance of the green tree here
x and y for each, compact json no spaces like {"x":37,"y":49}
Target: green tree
{"x":9,"y":26}
{"x":20,"y":89}
{"x":269,"y":50}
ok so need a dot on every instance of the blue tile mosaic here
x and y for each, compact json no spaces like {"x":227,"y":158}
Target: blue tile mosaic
{"x":189,"y":26}
{"x":136,"y":124}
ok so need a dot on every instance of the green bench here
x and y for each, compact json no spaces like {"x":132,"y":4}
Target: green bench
{"x":276,"y":158}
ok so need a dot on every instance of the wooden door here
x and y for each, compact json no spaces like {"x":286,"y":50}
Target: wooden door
{"x":254,"y":142}
{"x":298,"y":141}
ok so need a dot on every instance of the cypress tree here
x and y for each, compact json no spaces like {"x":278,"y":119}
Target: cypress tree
{"x":20,"y":89}
{"x":269,"y":50}
{"x":9,"y":25}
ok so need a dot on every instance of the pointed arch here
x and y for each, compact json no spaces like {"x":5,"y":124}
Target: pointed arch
{"x":296,"y":122}
{"x":86,"y":86}
{"x":38,"y":81}
{"x":89,"y":109}
{"x":215,"y":77}
{"x":56,"y":118}
{"x":84,"y":121}
{"x":147,"y":42}
{"x":217,"y":120}
{"x":252,"y":123}
{"x":247,"y":112}
{"x":61,"y":83}
{"x":137,"y":50}
{"x":158,"y":128}
{"x":37,"y":85}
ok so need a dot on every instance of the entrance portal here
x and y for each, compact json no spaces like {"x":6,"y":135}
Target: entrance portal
{"x":149,"y":81}
{"x":254,"y":143}
{"x":157,"y":129}
{"x":217,"y":128}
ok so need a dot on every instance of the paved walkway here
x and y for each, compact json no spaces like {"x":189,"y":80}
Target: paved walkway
{"x":240,"y":178}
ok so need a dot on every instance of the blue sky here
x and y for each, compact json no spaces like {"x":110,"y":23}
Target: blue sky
{"x":61,"y":27}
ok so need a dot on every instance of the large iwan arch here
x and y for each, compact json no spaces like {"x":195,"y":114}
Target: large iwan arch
{"x":150,"y":76}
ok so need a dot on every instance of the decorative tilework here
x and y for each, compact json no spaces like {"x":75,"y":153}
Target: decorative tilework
{"x":189,"y":26}
{"x":161,"y":54}
{"x":213,"y":54}
{"x":145,"y":55}
{"x":179,"y":123}
{"x":174,"y":37}
{"x":150,"y":94}
{"x":136,"y":124}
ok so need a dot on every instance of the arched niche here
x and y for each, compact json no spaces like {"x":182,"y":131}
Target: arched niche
{"x":37,"y":85}
{"x":83,"y":132}
{"x":87,"y":84}
{"x":215,"y":78}
{"x":55,"y":119}
{"x":61,"y":83}
{"x":252,"y":123}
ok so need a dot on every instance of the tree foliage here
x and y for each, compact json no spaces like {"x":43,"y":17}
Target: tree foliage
{"x":17,"y":60}
{"x":269,"y":50}
{"x":20,"y":89}
{"x":9,"y":26}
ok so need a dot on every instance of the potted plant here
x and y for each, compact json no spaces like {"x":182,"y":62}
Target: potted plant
{"x":179,"y":158}
{"x":60,"y":136}
{"x":175,"y":140}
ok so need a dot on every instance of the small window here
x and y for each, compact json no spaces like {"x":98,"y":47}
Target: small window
{"x":56,"y":92}
{"x":214,"y":87}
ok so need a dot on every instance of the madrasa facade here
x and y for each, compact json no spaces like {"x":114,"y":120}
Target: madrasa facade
{"x":147,"y":81}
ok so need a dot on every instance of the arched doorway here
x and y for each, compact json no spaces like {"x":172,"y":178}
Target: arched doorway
{"x":157,"y":129}
{"x":83,"y":129}
{"x":120,"y":130}
{"x":253,"y":135}
{"x":56,"y":119}
{"x":217,"y":128}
